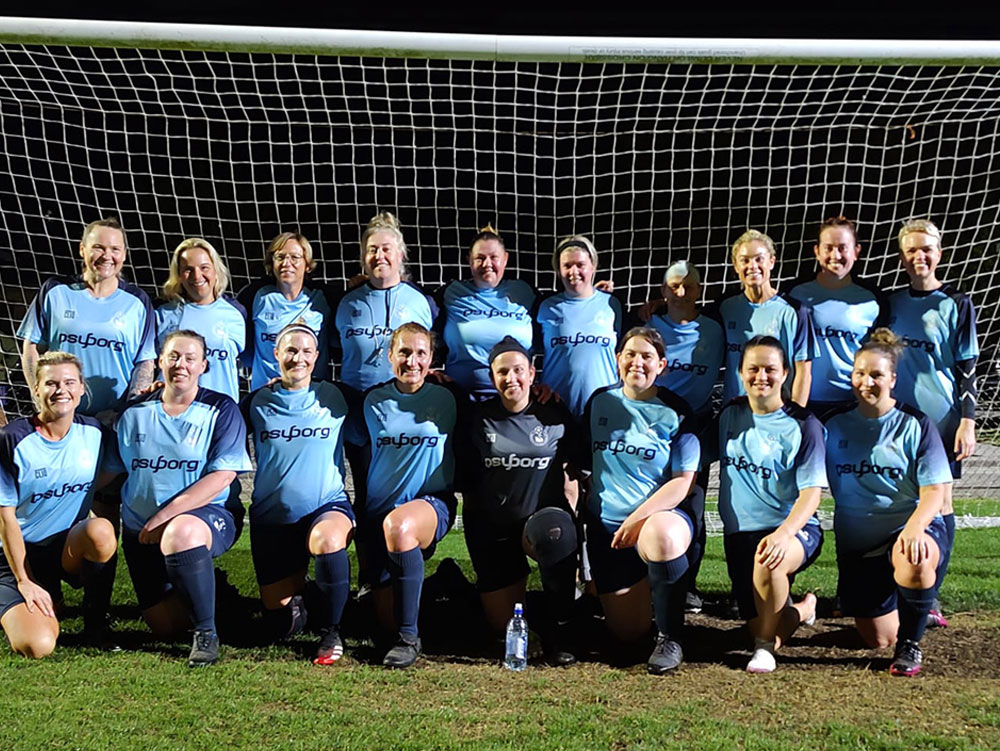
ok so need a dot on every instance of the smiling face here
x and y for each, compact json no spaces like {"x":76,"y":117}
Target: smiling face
{"x":182,"y":362}
{"x":290,"y":264}
{"x":488,"y":259}
{"x":103,"y":254}
{"x":411,"y":355}
{"x":197,"y":274}
{"x":296,"y":354}
{"x":383,"y":259}
{"x":920,"y":254}
{"x":836,"y":251}
{"x":873,"y":380}
{"x":512,"y":376}
{"x":58,"y":390}
{"x":576,"y":270}
{"x":763,"y":373}
{"x":753,"y":263}
{"x":639,"y":364}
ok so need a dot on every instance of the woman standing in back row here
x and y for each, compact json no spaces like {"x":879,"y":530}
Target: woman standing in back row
{"x":937,"y":372}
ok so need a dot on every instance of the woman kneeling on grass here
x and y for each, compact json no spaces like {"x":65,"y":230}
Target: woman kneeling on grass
{"x":48,"y":471}
{"x":772,"y":468}
{"x":639,"y":514}
{"x":411,"y":503}
{"x":888,"y":473}
{"x":515,"y":506}
{"x":299,"y":506}
{"x":182,"y":447}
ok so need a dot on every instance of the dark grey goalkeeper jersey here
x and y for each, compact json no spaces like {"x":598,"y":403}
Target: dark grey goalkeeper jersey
{"x":511,"y":464}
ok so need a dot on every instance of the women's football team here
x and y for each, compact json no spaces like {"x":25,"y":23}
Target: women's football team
{"x":597,"y":471}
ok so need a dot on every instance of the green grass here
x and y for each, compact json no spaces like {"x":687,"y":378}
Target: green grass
{"x":270,"y":697}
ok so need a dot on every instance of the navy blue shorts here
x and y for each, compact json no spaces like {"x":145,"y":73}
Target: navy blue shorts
{"x":281,"y":550}
{"x":619,"y":568}
{"x":741,"y":549}
{"x":145,"y":562}
{"x":45,"y":561}
{"x":370,"y":534}
{"x":866,"y":585}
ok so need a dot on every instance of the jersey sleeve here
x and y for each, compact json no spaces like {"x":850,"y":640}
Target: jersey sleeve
{"x":932,"y":461}
{"x":810,"y":461}
{"x":35,"y":325}
{"x":685,"y":452}
{"x":804,"y":344}
{"x":226,"y":449}
{"x":147,"y":340}
{"x":8,"y":471}
{"x":112,"y":461}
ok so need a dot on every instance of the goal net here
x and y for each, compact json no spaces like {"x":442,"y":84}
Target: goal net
{"x":657,"y":149}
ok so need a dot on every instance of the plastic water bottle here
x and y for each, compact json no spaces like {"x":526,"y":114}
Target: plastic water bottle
{"x":517,"y":641}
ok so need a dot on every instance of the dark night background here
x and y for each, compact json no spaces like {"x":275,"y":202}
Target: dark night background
{"x":692,"y":156}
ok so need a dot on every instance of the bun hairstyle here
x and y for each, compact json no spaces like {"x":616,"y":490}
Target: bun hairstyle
{"x":883,"y":342}
{"x":574,"y":242}
{"x":110,"y":222}
{"x":385,"y":221}
{"x":487,"y":233}
{"x":764,"y":340}
{"x":838,"y":222}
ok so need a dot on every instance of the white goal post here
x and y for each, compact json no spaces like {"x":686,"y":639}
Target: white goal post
{"x":658,"y":149}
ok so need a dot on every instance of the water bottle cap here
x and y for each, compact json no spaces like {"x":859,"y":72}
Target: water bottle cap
{"x":518,"y":609}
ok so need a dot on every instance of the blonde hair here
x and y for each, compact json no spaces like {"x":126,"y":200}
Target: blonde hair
{"x":574,"y":242}
{"x":55,"y":357}
{"x":280,"y":242}
{"x":753,"y":235}
{"x":296,"y":327}
{"x":884,"y":342}
{"x":174,"y":290}
{"x":385,"y":221}
{"x":920,"y":225}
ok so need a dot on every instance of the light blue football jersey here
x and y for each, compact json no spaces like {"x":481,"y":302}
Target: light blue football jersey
{"x":634,"y":447}
{"x":694,"y":358}
{"x":784,"y":319}
{"x":110,"y":335}
{"x":938,"y":330}
{"x":299,"y":446}
{"x":473,"y":320}
{"x":876,"y":468}
{"x":51,"y":483}
{"x":764,"y":462}
{"x":165,"y":455}
{"x":223,"y":323}
{"x":579,"y":337}
{"x":268,"y":312}
{"x":365,"y":320}
{"x":841,"y":321}
{"x":410,"y":436}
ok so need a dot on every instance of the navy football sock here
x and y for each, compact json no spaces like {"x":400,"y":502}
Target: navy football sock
{"x":98,"y":583}
{"x":668,"y":606}
{"x":559,"y":586}
{"x":333,"y":575}
{"x":407,"y":572}
{"x":942,"y":567}
{"x":192,"y":574}
{"x":913,"y":605}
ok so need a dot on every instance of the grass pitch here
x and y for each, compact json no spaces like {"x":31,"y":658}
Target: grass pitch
{"x":826,"y":694}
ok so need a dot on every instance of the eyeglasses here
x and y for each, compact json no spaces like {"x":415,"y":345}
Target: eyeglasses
{"x":296,"y":259}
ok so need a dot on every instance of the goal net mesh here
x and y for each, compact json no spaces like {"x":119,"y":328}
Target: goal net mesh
{"x":655,"y":162}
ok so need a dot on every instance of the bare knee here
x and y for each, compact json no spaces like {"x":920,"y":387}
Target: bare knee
{"x":41,"y":643}
{"x":399,"y":533}
{"x":185,"y":532}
